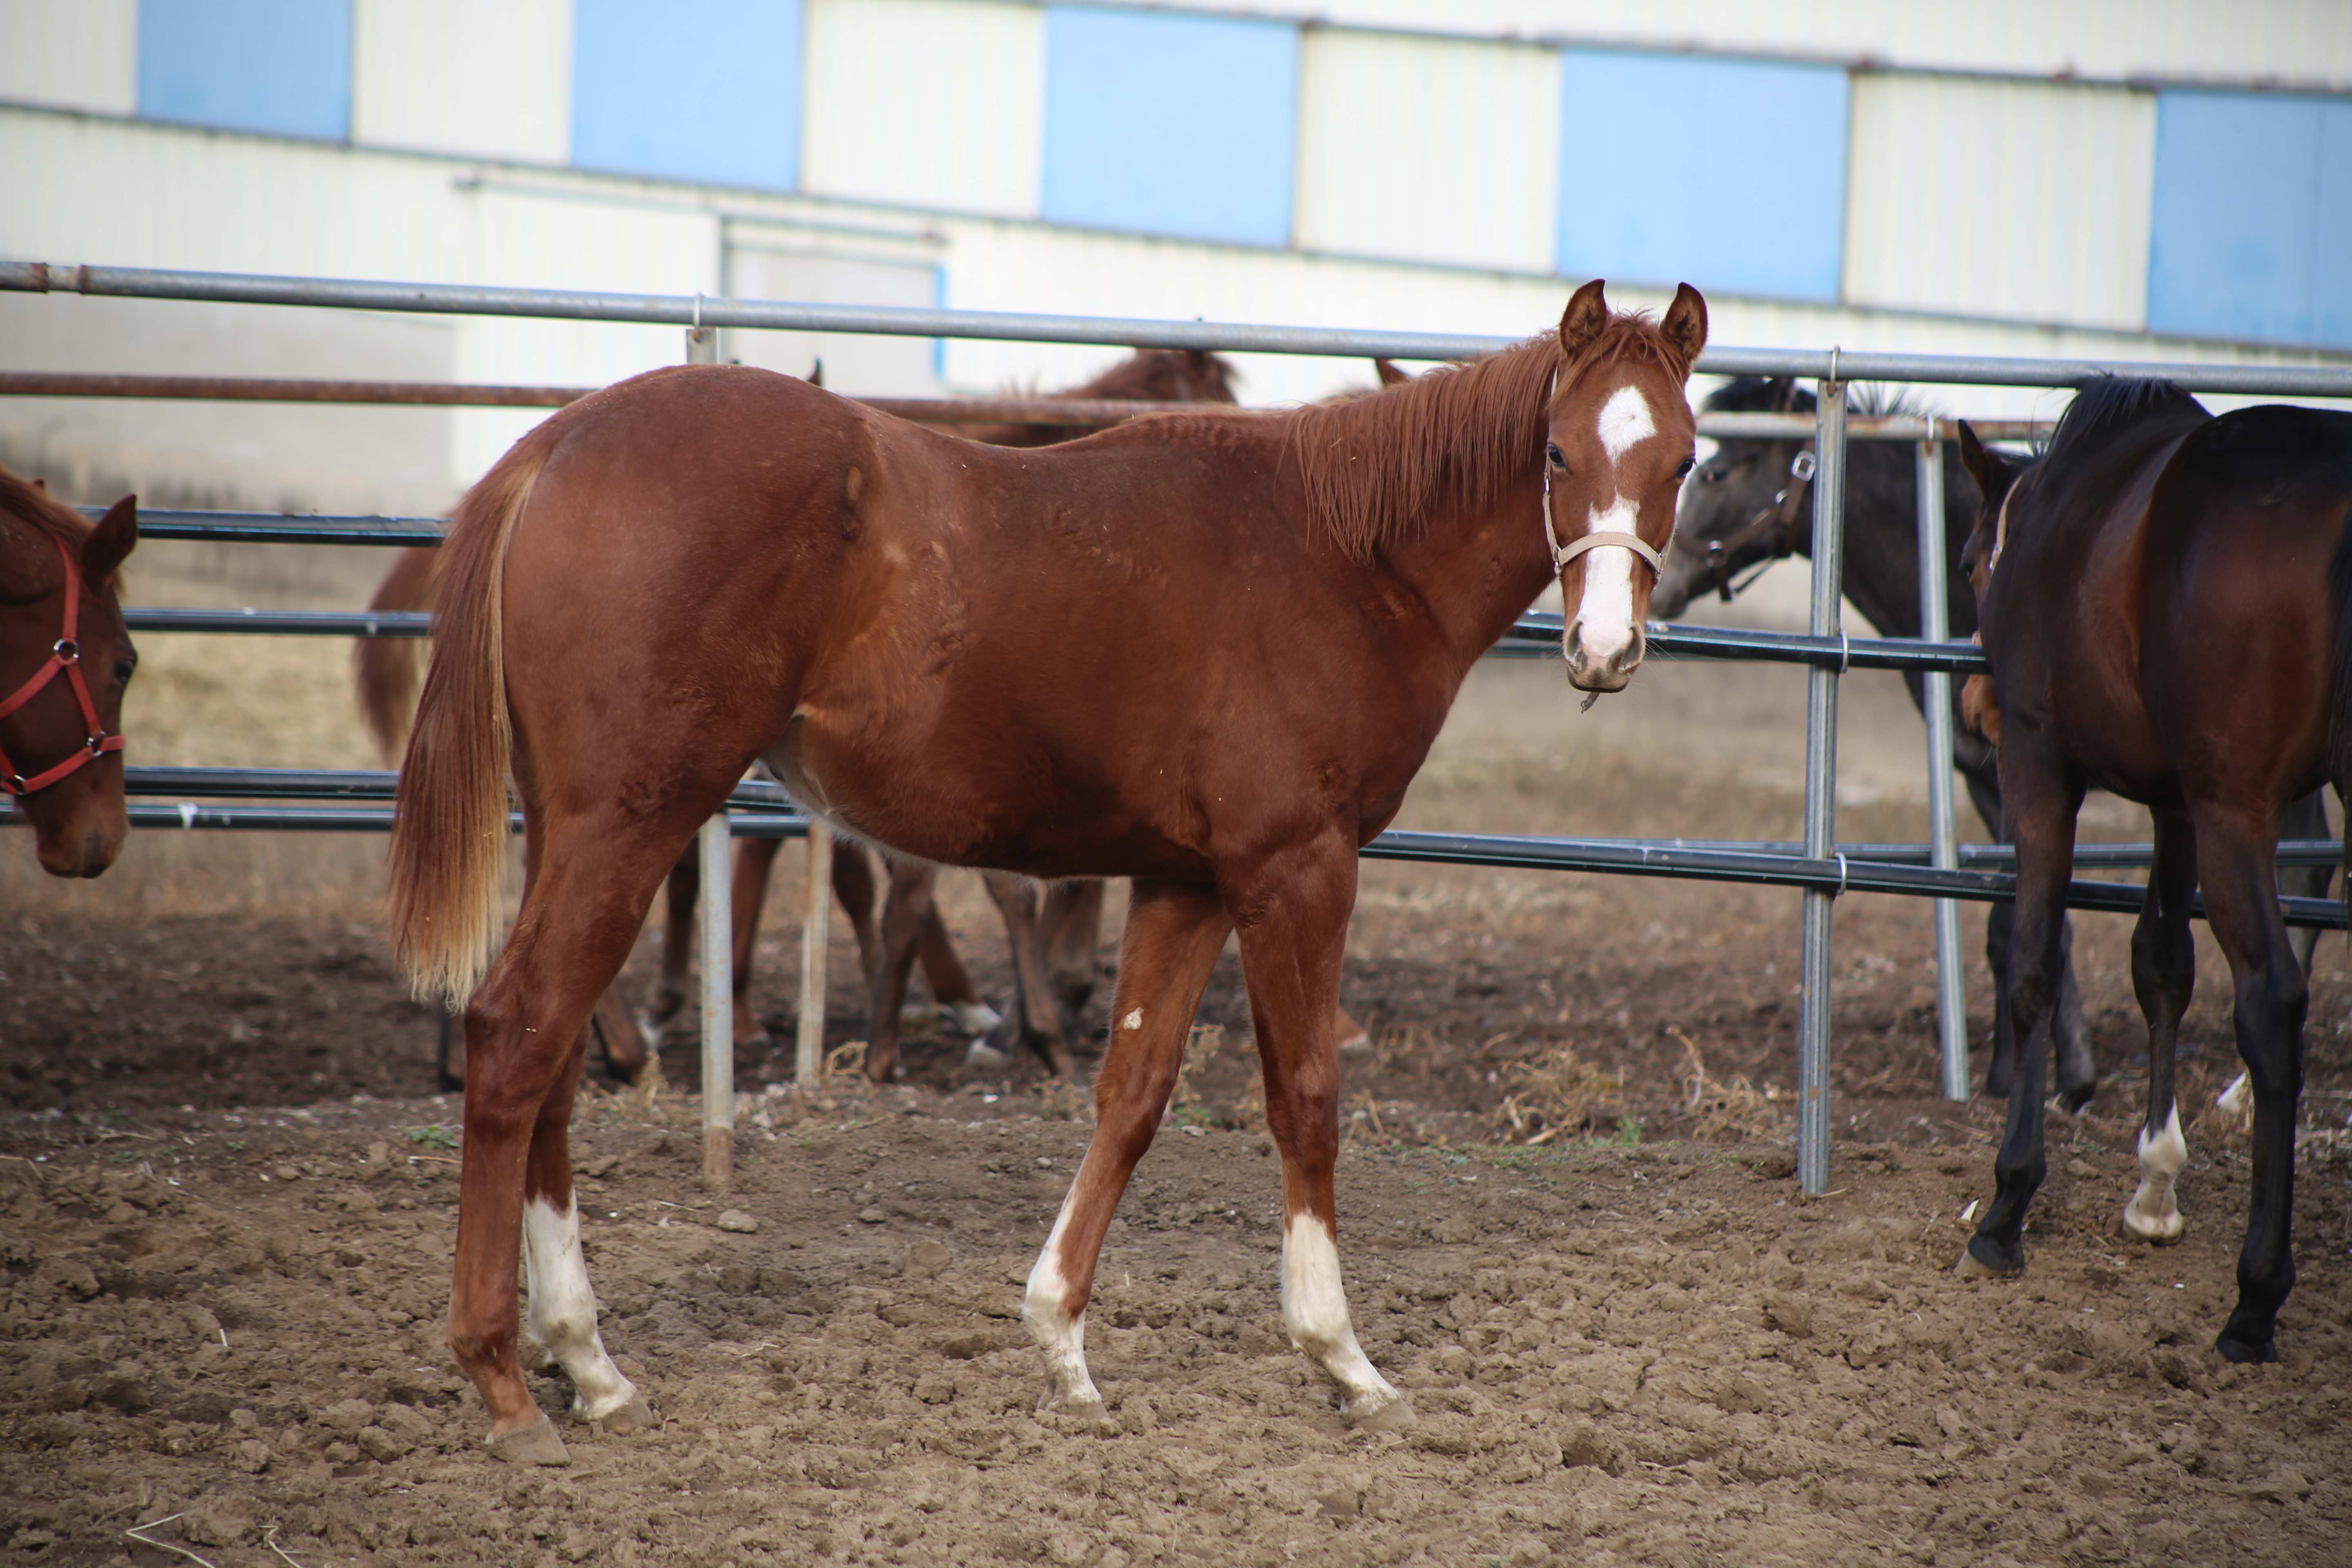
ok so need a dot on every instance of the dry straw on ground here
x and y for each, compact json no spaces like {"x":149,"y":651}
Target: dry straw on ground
{"x":1557,"y":1092}
{"x":1732,"y":1108}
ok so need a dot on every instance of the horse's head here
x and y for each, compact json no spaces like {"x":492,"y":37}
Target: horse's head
{"x":1619,"y":441}
{"x":1996,"y":478}
{"x":1747,"y":504}
{"x":65,"y":657}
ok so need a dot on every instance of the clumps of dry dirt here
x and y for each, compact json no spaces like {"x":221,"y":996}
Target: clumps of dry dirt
{"x":1616,"y":1355}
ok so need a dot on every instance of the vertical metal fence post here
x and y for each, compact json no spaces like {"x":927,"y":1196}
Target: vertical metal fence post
{"x":715,"y":847}
{"x":808,"y":1053}
{"x":1936,"y":701}
{"x":1821,"y":792}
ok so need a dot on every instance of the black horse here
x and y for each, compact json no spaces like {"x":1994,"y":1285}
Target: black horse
{"x":1750,"y":504}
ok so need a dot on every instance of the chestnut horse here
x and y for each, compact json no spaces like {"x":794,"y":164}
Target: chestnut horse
{"x":2165,"y":603}
{"x":1204,"y":651}
{"x":65,"y":658}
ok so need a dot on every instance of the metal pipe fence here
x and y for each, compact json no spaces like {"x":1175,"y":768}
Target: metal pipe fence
{"x":1819,"y":868}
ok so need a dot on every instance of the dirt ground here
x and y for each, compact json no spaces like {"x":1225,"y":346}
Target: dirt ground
{"x":228,"y":1203}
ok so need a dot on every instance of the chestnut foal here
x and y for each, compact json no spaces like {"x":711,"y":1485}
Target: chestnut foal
{"x":65,"y":658}
{"x":1207,"y":652}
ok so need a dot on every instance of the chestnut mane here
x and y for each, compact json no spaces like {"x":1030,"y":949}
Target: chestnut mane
{"x":24,"y":499}
{"x":1375,"y":467}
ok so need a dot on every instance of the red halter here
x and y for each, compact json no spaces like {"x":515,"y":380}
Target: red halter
{"x":65,"y":654}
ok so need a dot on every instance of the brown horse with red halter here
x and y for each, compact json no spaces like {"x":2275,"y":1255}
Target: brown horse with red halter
{"x":61,"y":626}
{"x":2165,"y":603}
{"x":1205,"y":651}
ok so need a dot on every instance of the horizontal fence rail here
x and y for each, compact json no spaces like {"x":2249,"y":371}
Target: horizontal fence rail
{"x":699,"y":310}
{"x":1095,"y":411}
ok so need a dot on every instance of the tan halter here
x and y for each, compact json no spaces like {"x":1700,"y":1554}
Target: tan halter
{"x":1562,"y":557}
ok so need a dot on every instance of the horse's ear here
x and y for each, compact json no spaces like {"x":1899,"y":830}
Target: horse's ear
{"x":1686,"y":323}
{"x":1389,"y":373}
{"x":816,"y":373}
{"x":1985,"y":467}
{"x":110,"y":542}
{"x":41,"y":484}
{"x":1587,"y":313}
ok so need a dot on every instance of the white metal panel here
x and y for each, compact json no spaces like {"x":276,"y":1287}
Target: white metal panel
{"x":1977,"y":197}
{"x":857,"y":365}
{"x":490,"y":77}
{"x":72,"y":54}
{"x":2269,"y":43}
{"x":928,"y":103}
{"x":1429,"y":150}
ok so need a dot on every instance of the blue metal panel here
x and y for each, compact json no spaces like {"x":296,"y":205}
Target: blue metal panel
{"x":281,"y":66}
{"x":1662,"y":178}
{"x":707,"y":90}
{"x":2234,"y":224}
{"x":2331,"y":267}
{"x":1172,"y":125}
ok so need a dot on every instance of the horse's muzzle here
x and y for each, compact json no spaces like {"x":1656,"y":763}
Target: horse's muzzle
{"x":1602,"y":664}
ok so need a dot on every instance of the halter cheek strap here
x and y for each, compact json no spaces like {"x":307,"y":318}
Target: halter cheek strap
{"x":1562,"y":556}
{"x":65,"y":655}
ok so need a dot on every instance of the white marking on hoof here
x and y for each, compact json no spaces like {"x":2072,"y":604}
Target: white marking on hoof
{"x":1060,"y":1333}
{"x":984,"y":1057}
{"x":2237,"y":1103}
{"x":536,"y":1444}
{"x":1315,"y":1310}
{"x":562,"y":1315}
{"x":1625,"y":421}
{"x":973,"y":1017}
{"x":1134,"y":1019}
{"x":2152,"y":1214}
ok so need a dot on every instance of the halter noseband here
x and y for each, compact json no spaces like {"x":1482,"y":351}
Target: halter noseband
{"x":65,"y":654}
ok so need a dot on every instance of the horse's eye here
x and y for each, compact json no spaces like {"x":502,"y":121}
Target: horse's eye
{"x":1552,"y":452}
{"x":124,"y":668}
{"x":1687,"y":465}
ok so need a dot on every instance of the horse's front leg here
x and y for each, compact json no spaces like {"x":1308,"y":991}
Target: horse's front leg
{"x":1020,"y":900}
{"x":2042,"y":802}
{"x":1293,"y":941}
{"x":1174,"y":933}
{"x":2164,"y":975}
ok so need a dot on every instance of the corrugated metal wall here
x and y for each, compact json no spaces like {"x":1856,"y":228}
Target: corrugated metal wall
{"x":1982,"y":197}
{"x":927,"y":103}
{"x":71,"y":54}
{"x":1429,"y":151}
{"x":487,"y":78}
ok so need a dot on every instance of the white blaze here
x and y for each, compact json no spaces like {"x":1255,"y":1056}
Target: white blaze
{"x":1315,"y":1310}
{"x":564,"y":1309}
{"x":1624,"y":420}
{"x":1604,"y":615}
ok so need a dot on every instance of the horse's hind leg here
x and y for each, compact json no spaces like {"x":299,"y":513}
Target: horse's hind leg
{"x":903,"y":913}
{"x":853,"y":884}
{"x":2164,"y":974}
{"x":1174,"y":933}
{"x":2235,"y":864}
{"x":1033,"y":1003}
{"x":2304,"y":819}
{"x":755,"y":859}
{"x":1072,"y":924}
{"x":1291,"y":956}
{"x":2045,"y":854}
{"x":677,"y":939}
{"x":943,"y":971}
{"x":562,"y":1311}
{"x":585,"y":898}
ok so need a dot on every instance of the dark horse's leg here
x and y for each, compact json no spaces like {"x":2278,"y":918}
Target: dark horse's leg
{"x":904,"y":913}
{"x":755,"y":859}
{"x":2164,"y":975}
{"x":1071,"y":928}
{"x":853,"y":885}
{"x":1037,"y":1014}
{"x":2042,"y":806}
{"x":2235,"y":862}
{"x":677,"y":939}
{"x":2077,"y":1071}
{"x":1174,"y":933}
{"x":2305,"y":818}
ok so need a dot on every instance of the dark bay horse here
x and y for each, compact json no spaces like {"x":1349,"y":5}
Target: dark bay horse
{"x":65,"y":660}
{"x":1749,"y":507}
{"x":1204,"y":651}
{"x":2166,"y":602}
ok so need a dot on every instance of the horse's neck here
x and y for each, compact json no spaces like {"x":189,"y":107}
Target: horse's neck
{"x":1477,"y":570}
{"x":1882,"y":542}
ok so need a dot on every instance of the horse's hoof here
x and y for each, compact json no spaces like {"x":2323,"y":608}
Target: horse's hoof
{"x":2157,"y":1230}
{"x":536,"y":1444}
{"x":1083,"y":1414}
{"x":633,"y":1416}
{"x":972,"y":1017}
{"x":1388,"y":1416}
{"x":2236,"y":1344}
{"x":2072,"y":1098}
{"x":982,"y":1056}
{"x":1986,"y":1260}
